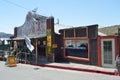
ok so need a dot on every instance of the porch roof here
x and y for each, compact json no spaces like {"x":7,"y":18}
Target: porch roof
{"x":31,"y":37}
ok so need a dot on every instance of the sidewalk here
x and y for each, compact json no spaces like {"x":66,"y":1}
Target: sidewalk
{"x":78,"y":67}
{"x":81,"y":67}
{"x":32,"y":72}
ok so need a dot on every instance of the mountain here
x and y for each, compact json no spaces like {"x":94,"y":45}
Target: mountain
{"x":110,"y":30}
{"x":5,"y":35}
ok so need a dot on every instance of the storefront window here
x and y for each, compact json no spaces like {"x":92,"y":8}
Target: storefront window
{"x":76,"y":48}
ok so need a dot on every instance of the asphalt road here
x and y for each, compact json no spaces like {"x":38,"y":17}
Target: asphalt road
{"x":28,"y":72}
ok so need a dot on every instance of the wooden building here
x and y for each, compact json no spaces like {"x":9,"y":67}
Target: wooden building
{"x":82,"y":45}
{"x":87,"y":46}
{"x":40,"y":29}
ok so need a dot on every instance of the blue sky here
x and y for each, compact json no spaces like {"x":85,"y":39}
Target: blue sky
{"x":69,"y":12}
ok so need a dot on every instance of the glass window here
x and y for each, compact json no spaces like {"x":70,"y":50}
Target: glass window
{"x":76,"y":48}
{"x":107,"y":49}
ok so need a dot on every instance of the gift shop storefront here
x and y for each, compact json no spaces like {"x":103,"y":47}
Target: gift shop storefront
{"x":80,"y":44}
{"x":85,"y":45}
{"x":40,"y":30}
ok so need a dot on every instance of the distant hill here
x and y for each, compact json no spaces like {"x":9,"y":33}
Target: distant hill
{"x":5,"y":35}
{"x":110,"y":30}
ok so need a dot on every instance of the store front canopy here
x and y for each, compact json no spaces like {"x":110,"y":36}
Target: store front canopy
{"x":31,"y":37}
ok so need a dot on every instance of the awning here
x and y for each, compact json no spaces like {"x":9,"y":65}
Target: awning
{"x":31,"y":37}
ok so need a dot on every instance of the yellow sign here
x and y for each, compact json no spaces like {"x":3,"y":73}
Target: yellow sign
{"x":54,"y":46}
{"x":48,"y":38}
{"x":49,"y":43}
{"x":49,"y":50}
{"x":11,"y":61}
{"x":48,"y":31}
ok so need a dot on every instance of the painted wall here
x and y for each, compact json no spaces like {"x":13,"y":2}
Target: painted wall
{"x":34,"y":26}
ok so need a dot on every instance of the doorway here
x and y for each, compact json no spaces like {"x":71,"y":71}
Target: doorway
{"x":42,"y":48}
{"x":108,"y":52}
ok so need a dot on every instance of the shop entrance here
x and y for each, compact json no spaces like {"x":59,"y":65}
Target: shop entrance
{"x":41,"y":51}
{"x":41,"y":48}
{"x":108,"y":52}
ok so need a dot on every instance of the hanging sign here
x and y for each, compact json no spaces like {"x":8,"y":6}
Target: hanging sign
{"x":49,"y":42}
{"x":54,"y":46}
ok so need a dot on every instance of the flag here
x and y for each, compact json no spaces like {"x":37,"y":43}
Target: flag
{"x":28,"y":43}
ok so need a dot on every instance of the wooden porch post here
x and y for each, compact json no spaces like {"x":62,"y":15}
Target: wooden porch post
{"x":36,"y":50}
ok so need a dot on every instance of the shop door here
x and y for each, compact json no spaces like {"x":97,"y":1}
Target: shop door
{"x":42,"y":49}
{"x":108,"y":52}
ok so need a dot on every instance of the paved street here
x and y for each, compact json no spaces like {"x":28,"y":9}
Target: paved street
{"x":29,"y":72}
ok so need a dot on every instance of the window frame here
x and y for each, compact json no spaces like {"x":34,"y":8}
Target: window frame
{"x":74,"y":57}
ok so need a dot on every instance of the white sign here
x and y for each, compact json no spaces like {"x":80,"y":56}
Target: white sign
{"x":28,"y":43}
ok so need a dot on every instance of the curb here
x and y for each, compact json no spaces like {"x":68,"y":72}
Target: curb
{"x":77,"y":69}
{"x":115,"y":73}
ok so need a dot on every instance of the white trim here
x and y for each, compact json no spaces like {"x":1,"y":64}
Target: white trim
{"x":113,"y":53}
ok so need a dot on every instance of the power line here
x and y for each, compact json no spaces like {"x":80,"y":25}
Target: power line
{"x":16,"y":4}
